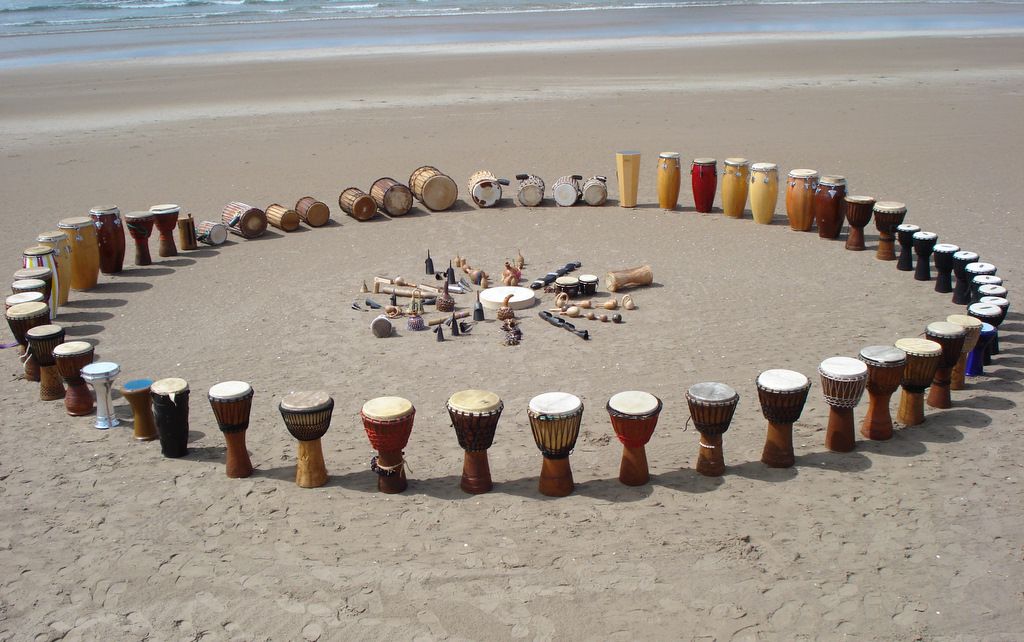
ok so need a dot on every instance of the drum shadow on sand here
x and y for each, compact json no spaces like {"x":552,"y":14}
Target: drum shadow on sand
{"x":204,"y":253}
{"x":87,"y":330}
{"x":612,"y":490}
{"x":902,"y":444}
{"x":688,"y":480}
{"x":757,"y":471}
{"x":268,"y":235}
{"x":84,"y":317}
{"x":95,"y":303}
{"x":851,"y":462}
{"x":121,"y":287}
{"x":178,"y":261}
{"x":145,"y":271}
{"x":987,"y":402}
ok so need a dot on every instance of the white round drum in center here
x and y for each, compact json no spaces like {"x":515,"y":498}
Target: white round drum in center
{"x":843,"y":368}
{"x":474,"y":401}
{"x":633,"y":402}
{"x":387,"y":408}
{"x":493,"y":298}
{"x":230,"y":390}
{"x":555,"y":404}
{"x":782,"y":380}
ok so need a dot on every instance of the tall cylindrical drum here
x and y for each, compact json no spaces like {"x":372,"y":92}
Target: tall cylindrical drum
{"x":170,"y":409}
{"x":357,"y":204}
{"x":735,"y":186}
{"x":668,"y":180}
{"x":800,"y":199}
{"x":313,"y":212}
{"x":165,"y":218}
{"x":827,"y":204}
{"x":704,"y":181}
{"x":244,"y":220}
{"x":391,"y":197}
{"x":187,"y":233}
{"x":283,"y":218}
{"x":764,"y":191}
{"x":43,"y":257}
{"x":85,"y":251}
{"x":110,"y":237}
{"x":62,"y":257}
{"x":627,"y":167}
{"x":432,"y":187}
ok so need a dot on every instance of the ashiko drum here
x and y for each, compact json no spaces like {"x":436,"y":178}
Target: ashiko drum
{"x":735,"y":186}
{"x":555,"y":421}
{"x":842,"y":383}
{"x":764,"y":191}
{"x":474,"y":415}
{"x":712,"y":406}
{"x":388,"y":423}
{"x":885,"y":371}
{"x":782,"y":394}
{"x":307,"y":416}
{"x":634,"y":416}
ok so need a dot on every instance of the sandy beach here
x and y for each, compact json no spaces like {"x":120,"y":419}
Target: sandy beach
{"x":915,"y":538}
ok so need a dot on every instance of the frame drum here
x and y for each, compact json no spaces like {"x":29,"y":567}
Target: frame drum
{"x":782,"y":394}
{"x":842,"y":384}
{"x":923,"y":357}
{"x":885,"y":371}
{"x":555,"y":419}
{"x":474,"y":415}
{"x":800,"y":199}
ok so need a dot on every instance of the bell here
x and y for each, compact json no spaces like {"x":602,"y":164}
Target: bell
{"x":455,"y":327}
{"x":478,"y":312}
{"x":429,"y":264}
{"x":440,"y":333}
{"x":451,"y":274}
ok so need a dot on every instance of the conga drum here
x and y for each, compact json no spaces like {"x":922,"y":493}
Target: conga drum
{"x":923,"y":359}
{"x":951,"y":337}
{"x":100,"y":376}
{"x":109,"y":236}
{"x":530,"y":191}
{"x":281,"y":217}
{"x":187,"y":233}
{"x":42,"y":339}
{"x":735,"y":186}
{"x":800,"y":199}
{"x":140,"y":227}
{"x":357,"y":204}
{"x":22,"y":317}
{"x":45,"y":274}
{"x":943,"y":258}
{"x":165,"y":218}
{"x":842,"y":384}
{"x":885,"y":372}
{"x":70,"y":357}
{"x":976,"y":359}
{"x":85,"y":251}
{"x":972,"y":330}
{"x":231,"y":402}
{"x":712,"y":406}
{"x":210,"y":233}
{"x":962,"y":289}
{"x":924,"y":245}
{"x":669,"y":173}
{"x":435,"y":189}
{"x":627,"y":169}
{"x":474,"y":415}
{"x":764,"y":191}
{"x":905,"y":236}
{"x":391,"y":197}
{"x":782,"y":394}
{"x":137,"y":392}
{"x":170,"y":410}
{"x":312,"y":212}
{"x":61,"y":245}
{"x":595,"y":190}
{"x":588,"y":284}
{"x":858,"y":214}
{"x":244,"y":220}
{"x":704,"y":181}
{"x":888,"y":216}
{"x":566,"y":190}
{"x":634,"y":416}
{"x":23,"y":297}
{"x":22,"y":286}
{"x":388,"y":423}
{"x":829,"y":196}
{"x":307,"y":416}
{"x":1004,"y":304}
{"x":993,"y":315}
{"x":986,"y":281}
{"x":555,"y":419}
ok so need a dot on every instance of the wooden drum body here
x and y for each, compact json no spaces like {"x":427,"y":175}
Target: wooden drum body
{"x":21,"y":318}
{"x":800,"y":199}
{"x":905,"y":237}
{"x":634,"y":416}
{"x":669,"y":173}
{"x":391,"y":197}
{"x":924,"y":245}
{"x":782,"y":394}
{"x":888,"y":216}
{"x":187,"y":233}
{"x":244,"y":220}
{"x":484,"y":188}
{"x":137,"y":392}
{"x":474,"y":415}
{"x":829,"y":196}
{"x":210,"y":233}
{"x":704,"y":181}
{"x":42,"y":339}
{"x":70,"y":357}
{"x":388,"y":423}
{"x":435,"y":189}
{"x":842,"y":384}
{"x":165,"y":218}
{"x":140,"y":227}
{"x":170,"y":410}
{"x":595,"y":190}
{"x":764,"y":191}
{"x":313,"y":212}
{"x":857,"y":210}
{"x":951,"y":336}
{"x":61,"y":245}
{"x":307,"y":415}
{"x":357,"y":204}
{"x":735,"y":186}
{"x":923,"y":358}
{"x":972,"y":332}
{"x":943,"y":258}
{"x":629,"y":278}
{"x":627,"y":167}
{"x":109,"y":237}
{"x":43,"y":257}
{"x":885,"y":371}
{"x":281,"y":217}
{"x":232,"y":402}
{"x":555,"y":419}
{"x":712,"y":406}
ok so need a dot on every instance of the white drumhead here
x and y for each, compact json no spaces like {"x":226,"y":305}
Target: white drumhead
{"x":832,"y":180}
{"x":43,"y":331}
{"x":890,"y":207}
{"x":555,"y":403}
{"x":474,"y":401}
{"x":104,"y":209}
{"x":704,"y":161}
{"x":925,"y":236}
{"x":74,"y":222}
{"x":487,"y":191}
{"x":981,"y":267}
{"x":983,"y":309}
{"x":782,"y":380}
{"x":165,"y":208}
{"x":218,"y":233}
{"x":668,"y":155}
{"x":565,"y":194}
{"x":633,"y":402}
{"x":763,"y":167}
{"x":988,"y":328}
{"x":908,"y":227}
{"x":595,"y":193}
{"x":100,"y":370}
{"x":23,"y":297}
{"x":945,"y":329}
{"x":883,"y":355}
{"x":737,"y":162}
{"x":919,"y":347}
{"x":230,"y":390}
{"x":169,"y":386}
{"x":996,"y":300}
{"x":842,"y":367}
{"x":28,"y":310}
{"x":492,"y":298}
{"x":28,"y":283}
{"x":141,"y":216}
{"x":52,"y":236}
{"x":588,"y":278}
{"x":987,"y":280}
{"x":964,"y":321}
{"x":711,"y":391}
{"x":567,"y":281}
{"x":859,"y":198}
{"x":306,"y":401}
{"x":946,"y":248}
{"x":387,"y":408}
{"x":72,"y":348}
{"x":965,"y":255}
{"x":803,"y":173}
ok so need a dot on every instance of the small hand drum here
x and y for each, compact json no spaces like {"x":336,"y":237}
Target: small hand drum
{"x":170,"y":409}
{"x":976,"y":359}
{"x":782,"y":394}
{"x":42,"y":339}
{"x":555,"y":419}
{"x":972,"y":329}
{"x":70,"y":357}
{"x":137,"y":392}
{"x":943,"y":258}
{"x":962,"y":289}
{"x":951,"y":337}
{"x":307,"y":416}
{"x":885,"y":371}
{"x":388,"y":423}
{"x":474,"y":415}
{"x":232,"y":402}
{"x":924,"y":245}
{"x":22,"y":317}
{"x":165,"y":218}
{"x":634,"y":416}
{"x":888,"y":215}
{"x":712,"y":406}
{"x":140,"y":227}
{"x":101,"y":376}
{"x":923,"y":358}
{"x":858,"y":214}
{"x":842,"y":384}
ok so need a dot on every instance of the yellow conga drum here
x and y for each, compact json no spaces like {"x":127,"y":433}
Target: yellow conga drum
{"x":668,"y":180}
{"x":764,"y":191}
{"x":43,"y":257}
{"x":627,"y":165}
{"x":62,"y":256}
{"x":85,"y":251}
{"x":735,"y":185}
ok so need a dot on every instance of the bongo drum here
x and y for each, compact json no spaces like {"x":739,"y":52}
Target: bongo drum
{"x":165,"y":218}
{"x":307,"y":416}
{"x":704,"y":181}
{"x":530,"y":191}
{"x":905,"y":235}
{"x":764,"y":191}
{"x":858,"y":214}
{"x":244,"y":220}
{"x":800,"y":199}
{"x":22,"y":286}
{"x":976,"y":359}
{"x":567,"y":284}
{"x":187,"y":233}
{"x":284,"y":219}
{"x":962,"y":290}
{"x":983,"y":280}
{"x":555,"y":421}
{"x":943,"y":258}
{"x":357,"y":204}
{"x":843,"y":380}
{"x":735,"y":185}
{"x":1004,"y":304}
{"x":85,"y":251}
{"x":951,"y":337}
{"x":388,"y":423}
{"x":992,"y":315}
{"x":474,"y":415}
{"x":100,"y":376}
{"x":391,"y":197}
{"x":627,"y":169}
{"x":588,"y":284}
{"x":23,"y":297}
{"x":712,"y":406}
{"x":22,"y":317}
{"x":210,"y":233}
{"x":312,"y":212}
{"x":140,"y":227}
{"x":231,"y":402}
{"x":137,"y":392}
{"x":109,"y":237}
{"x":435,"y":189}
{"x":669,"y":173}
{"x":42,"y":339}
{"x":888,"y":215}
{"x":634,"y":416}
{"x":566,"y":190}
{"x":170,"y":410}
{"x":62,"y":259}
{"x":924,"y":245}
{"x":885,"y":372}
{"x":595,"y":190}
{"x":829,"y":196}
{"x":972,"y":329}
{"x":70,"y":357}
{"x":923,"y":359}
{"x":782,"y":394}
{"x":45,"y":274}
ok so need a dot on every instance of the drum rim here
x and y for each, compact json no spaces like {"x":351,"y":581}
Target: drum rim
{"x":965,"y":320}
{"x":691,"y":396}
{"x":52,"y":329}
{"x":34,"y":296}
{"x":946,"y":248}
{"x":28,"y":283}
{"x":38,"y":250}
{"x":705,"y":160}
{"x":622,"y":413}
{"x":41,"y":270}
{"x":133,"y":385}
{"x":803,"y":173}
{"x":73,"y":345}
{"x":589,"y":278}
{"x":883,"y":364}
{"x":29,"y":310}
{"x":996,"y":281}
{"x":52,"y":236}
{"x":918,"y":347}
{"x":945,"y":330}
{"x":100,"y":370}
{"x":856,"y":376}
{"x":567,"y":280}
{"x":924,"y":235}
{"x":764,"y":167}
{"x":981,"y":267}
{"x":736,"y":161}
{"x":555,"y":415}
{"x":104,"y":209}
{"x":859,"y":198}
{"x":832,"y":179}
{"x":286,"y":407}
{"x":890,"y":207}
{"x":165,"y":208}
{"x":628,"y":152}
{"x":230,"y":390}
{"x":496,"y":407}
{"x":74,"y":223}
{"x":908,"y":227}
{"x":974,"y":307}
{"x":805,"y":386}
{"x":379,"y":400}
{"x":668,"y":155}
{"x":138,"y":215}
{"x":998,"y":301}
{"x":164,"y":386}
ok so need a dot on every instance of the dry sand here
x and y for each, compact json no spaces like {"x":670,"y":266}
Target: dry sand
{"x":916,"y":538}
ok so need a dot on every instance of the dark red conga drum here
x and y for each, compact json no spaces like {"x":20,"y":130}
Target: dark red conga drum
{"x":110,"y":236}
{"x":827,"y":204}
{"x":704,"y":180}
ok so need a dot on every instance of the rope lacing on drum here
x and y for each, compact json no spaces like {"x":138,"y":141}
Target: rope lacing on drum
{"x":686,"y":426}
{"x":387,"y":471}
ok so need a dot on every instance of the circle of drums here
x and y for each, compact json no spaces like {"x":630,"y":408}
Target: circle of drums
{"x":961,"y":345}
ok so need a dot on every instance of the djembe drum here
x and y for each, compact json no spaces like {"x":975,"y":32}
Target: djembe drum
{"x":888,"y":216}
{"x":432,"y":187}
{"x":704,"y":182}
{"x":45,"y":274}
{"x":137,"y":392}
{"x":23,"y":297}
{"x":634,"y":416}
{"x":307,"y":416}
{"x":555,"y":421}
{"x":231,"y":402}
{"x":110,"y":237}
{"x":829,"y":196}
{"x":42,"y":339}
{"x":951,"y":337}
{"x":165,"y":218}
{"x":100,"y":376}
{"x":61,"y":245}
{"x":924,"y":245}
{"x":566,"y":190}
{"x":712,"y":406}
{"x":764,"y":191}
{"x":22,"y":286}
{"x":38,"y":258}
{"x":140,"y":227}
{"x":393,"y":198}
{"x":187,"y":233}
{"x":312,"y":212}
{"x":943,"y":258}
{"x":782,"y":394}
{"x":627,"y":170}
{"x":972,"y":329}
{"x":993,"y":315}
{"x":70,"y":357}
{"x":905,"y":236}
{"x":669,"y":173}
{"x":170,"y":410}
{"x":595,"y":190}
{"x":357,"y":204}
{"x":735,"y":186}
{"x":388,"y":423}
{"x":923,"y":359}
{"x":843,"y":380}
{"x":85,"y":251}
{"x":858,"y":214}
{"x":244,"y":220}
{"x":210,"y":233}
{"x":474,"y":415}
{"x":530,"y":191}
{"x":976,"y":359}
{"x":962,"y":289}
{"x":281,"y":217}
{"x":1003,"y":303}
{"x":800,"y":199}
{"x":984,"y":280}
{"x":22,"y":317}
{"x":885,"y":372}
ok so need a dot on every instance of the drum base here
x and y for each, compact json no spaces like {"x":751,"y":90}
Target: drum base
{"x":840,"y":436}
{"x":476,"y":473}
{"x":392,"y":484}
{"x":778,"y":446}
{"x":633,"y":470}
{"x":142,"y":256}
{"x":911,"y":410}
{"x":310,"y":470}
{"x":855,"y":239}
{"x":78,"y":399}
{"x":711,"y":459}
{"x":556,"y":478}
{"x":877,"y":423}
{"x":886,"y":249}
{"x":238,"y":465}
{"x":50,"y":386}
{"x":31,"y":369}
{"x":938,"y":394}
{"x":956,"y":377}
{"x":166,"y":247}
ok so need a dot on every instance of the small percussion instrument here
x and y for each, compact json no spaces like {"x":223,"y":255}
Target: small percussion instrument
{"x":388,"y":423}
{"x":634,"y":416}
{"x":281,"y":217}
{"x":800,"y":199}
{"x":45,"y":274}
{"x":735,"y":186}
{"x":307,"y":416}
{"x":22,"y":317}
{"x":474,"y":415}
{"x":61,"y":245}
{"x":858,"y":214}
{"x":888,"y":216}
{"x":843,"y":380}
{"x":764,"y":191}
{"x":70,"y":357}
{"x":530,"y":191}
{"x":669,"y":173}
{"x":170,"y":410}
{"x":109,"y":237}
{"x":962,"y":290}
{"x":30,"y":285}
{"x":85,"y":251}
{"x":23,"y":297}
{"x":210,"y":233}
{"x":137,"y":392}
{"x":951,"y":337}
{"x":829,"y":196}
{"x":885,"y":372}
{"x":42,"y":339}
{"x":435,"y":189}
{"x":566,"y":190}
{"x":231,"y":402}
{"x":704,"y":181}
{"x":712,"y":406}
{"x":976,"y":359}
{"x":782,"y":394}
{"x":187,"y":233}
{"x":993,"y":315}
{"x":391,"y":197}
{"x":100,"y":376}
{"x":244,"y":220}
{"x":905,"y":235}
{"x":568,"y":284}
{"x":40,"y":258}
{"x":595,"y":190}
{"x":972,"y":330}
{"x":165,"y":218}
{"x":923,"y":359}
{"x":588,"y":284}
{"x":312,"y":212}
{"x":943,"y":258}
{"x":924,"y":245}
{"x":983,"y":280}
{"x":357,"y":204}
{"x":555,"y":419}
{"x":627,"y":169}
{"x":1004,"y":304}
{"x":140,"y":227}
{"x":629,"y":278}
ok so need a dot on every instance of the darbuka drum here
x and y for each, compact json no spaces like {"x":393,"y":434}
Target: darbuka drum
{"x":357,"y":204}
{"x":712,"y":406}
{"x":137,"y":393}
{"x":210,"y":233}
{"x":858,"y":214}
{"x":22,"y":317}
{"x":187,"y":233}
{"x":165,"y":218}
{"x":555,"y":419}
{"x":100,"y":376}
{"x":435,"y":189}
{"x":634,"y":416}
{"x":885,"y":372}
{"x":782,"y":394}
{"x":474,"y":415}
{"x":735,"y":186}
{"x":45,"y":274}
{"x":566,"y":190}
{"x":313,"y":212}
{"x":951,"y":337}
{"x":170,"y":409}
{"x":588,"y":284}
{"x":704,"y":181}
{"x":627,"y":168}
{"x":70,"y":357}
{"x":85,"y":251}
{"x":281,"y":217}
{"x":140,"y":227}
{"x":388,"y":423}
{"x":962,"y":290}
{"x":842,"y":383}
{"x":231,"y":402}
{"x":924,"y":245}
{"x":905,"y":235}
{"x":829,"y":196}
{"x":530,"y":191}
{"x":568,"y":284}
{"x":307,"y":416}
{"x":800,"y":199}
{"x":62,"y":258}
{"x":764,"y":191}
{"x":42,"y":339}
{"x":923,"y":358}
{"x":595,"y":190}
{"x":391,"y":197}
{"x":244,"y":220}
{"x":110,"y":237}
{"x":669,"y":173}
{"x":972,"y":330}
{"x":943,"y":258}
{"x":976,"y":359}
{"x":888,"y":216}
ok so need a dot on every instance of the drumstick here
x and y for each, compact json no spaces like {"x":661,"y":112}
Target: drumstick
{"x":439,"y":321}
